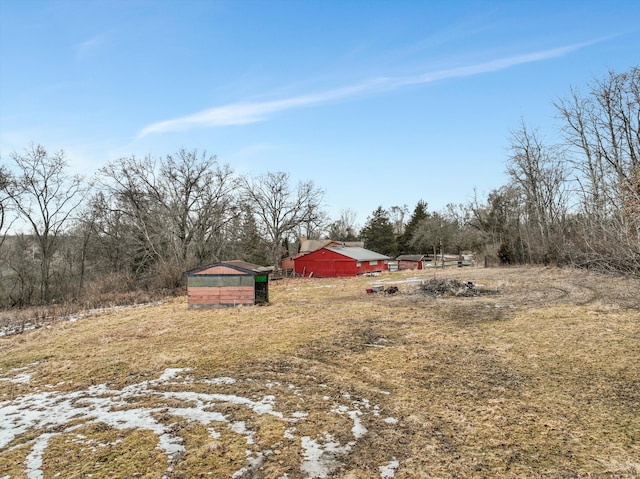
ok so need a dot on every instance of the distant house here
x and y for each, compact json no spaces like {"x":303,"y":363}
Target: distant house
{"x":411,"y":261}
{"x":228,"y":283}
{"x":310,"y":245}
{"x":333,"y":261}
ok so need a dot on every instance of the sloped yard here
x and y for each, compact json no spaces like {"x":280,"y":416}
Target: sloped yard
{"x":537,"y":376}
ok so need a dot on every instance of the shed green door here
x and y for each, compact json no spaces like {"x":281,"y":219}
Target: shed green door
{"x":262,"y":289}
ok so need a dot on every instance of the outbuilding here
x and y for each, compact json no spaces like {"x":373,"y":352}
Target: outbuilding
{"x":411,"y":261}
{"x":228,"y":283}
{"x":334,"y":261}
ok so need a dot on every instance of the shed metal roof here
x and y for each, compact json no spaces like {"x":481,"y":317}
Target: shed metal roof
{"x":357,"y":253}
{"x":241,"y":266}
{"x":410,"y":257}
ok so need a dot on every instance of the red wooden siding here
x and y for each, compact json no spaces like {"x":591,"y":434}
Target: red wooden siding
{"x":228,"y":283}
{"x":324,"y":263}
{"x":366,"y":267}
{"x":220,"y":295}
{"x":405,"y":264}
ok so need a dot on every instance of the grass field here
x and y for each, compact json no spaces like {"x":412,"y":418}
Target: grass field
{"x":538,"y":376}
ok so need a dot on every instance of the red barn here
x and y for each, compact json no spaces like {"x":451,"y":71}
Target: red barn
{"x":332,"y":261}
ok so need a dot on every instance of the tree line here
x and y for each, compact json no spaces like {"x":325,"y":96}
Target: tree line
{"x":140,"y":223}
{"x":574,"y":202}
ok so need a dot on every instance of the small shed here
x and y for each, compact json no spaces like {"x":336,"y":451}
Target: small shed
{"x":228,"y":283}
{"x":411,"y":261}
{"x":336,"y":261}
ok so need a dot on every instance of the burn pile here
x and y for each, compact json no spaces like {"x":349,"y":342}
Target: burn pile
{"x":449,"y":287}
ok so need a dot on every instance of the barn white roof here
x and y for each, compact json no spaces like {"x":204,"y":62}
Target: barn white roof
{"x":357,"y":253}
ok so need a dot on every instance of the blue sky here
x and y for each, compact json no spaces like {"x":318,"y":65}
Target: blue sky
{"x":378,"y":102}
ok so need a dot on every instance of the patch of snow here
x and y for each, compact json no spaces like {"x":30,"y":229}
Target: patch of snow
{"x":358,"y":428}
{"x":33,"y":463}
{"x":220,"y":380}
{"x":20,"y":375}
{"x":240,"y":427}
{"x":118,"y":408}
{"x":321,"y":459}
{"x":22,"y":378}
{"x":253,"y":463}
{"x":388,"y":471}
{"x":390,"y":420}
{"x":171,"y":373}
{"x":197,"y":414}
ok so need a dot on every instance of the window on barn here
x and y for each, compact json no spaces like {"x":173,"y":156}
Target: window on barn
{"x":373,"y":263}
{"x":358,"y":264}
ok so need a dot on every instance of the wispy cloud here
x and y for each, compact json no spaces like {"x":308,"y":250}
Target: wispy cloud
{"x":89,"y":46}
{"x":245,"y":113}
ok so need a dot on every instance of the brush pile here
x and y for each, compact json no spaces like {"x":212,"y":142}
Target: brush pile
{"x":448,"y":287}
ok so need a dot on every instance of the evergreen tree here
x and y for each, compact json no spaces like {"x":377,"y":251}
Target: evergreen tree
{"x":406,"y":244}
{"x":378,"y":233}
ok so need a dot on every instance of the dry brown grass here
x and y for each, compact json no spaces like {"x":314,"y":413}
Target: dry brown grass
{"x":541,"y":378}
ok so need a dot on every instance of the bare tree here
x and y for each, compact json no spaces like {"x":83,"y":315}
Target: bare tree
{"x":436,"y":233}
{"x":397,"y":215}
{"x":5,"y":181}
{"x":540,"y":172}
{"x":172,"y":212}
{"x":499,"y":221}
{"x":5,"y":225}
{"x":603,"y":131}
{"x":279,"y":208}
{"x":465,"y":237}
{"x":344,"y":228}
{"x":199,"y":204}
{"x":45,"y":196}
